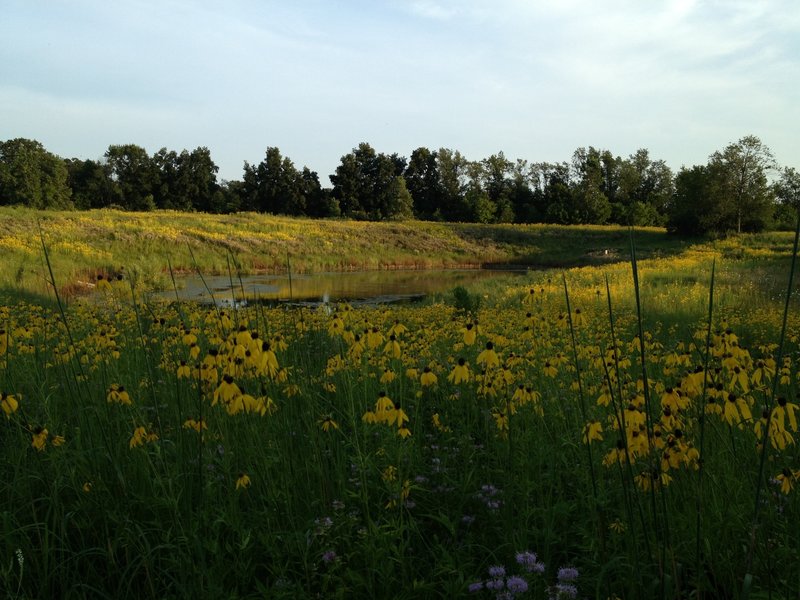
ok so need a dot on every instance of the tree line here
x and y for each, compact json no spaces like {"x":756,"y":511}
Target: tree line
{"x":741,"y":188}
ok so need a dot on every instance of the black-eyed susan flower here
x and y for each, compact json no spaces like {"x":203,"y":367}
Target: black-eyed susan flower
{"x":9,"y":404}
{"x":226,"y":391}
{"x":197,"y":425}
{"x":118,"y":394}
{"x":592,"y":431}
{"x":787,"y":479}
{"x":392,"y":347}
{"x":488,"y":357}
{"x":549,"y":369}
{"x":428,"y":377}
{"x":736,"y":410}
{"x":460,"y":372}
{"x":183,"y":371}
{"x":243,"y":481}
{"x":469,"y":333}
{"x":784,"y":411}
{"x":327,"y":424}
{"x":39,"y":438}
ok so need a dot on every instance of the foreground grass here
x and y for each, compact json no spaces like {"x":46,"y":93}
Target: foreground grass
{"x":173,"y":450}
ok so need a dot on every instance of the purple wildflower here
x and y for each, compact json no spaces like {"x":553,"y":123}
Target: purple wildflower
{"x":329,"y":556}
{"x":567,"y":574}
{"x":475,"y":587}
{"x":566,"y":591}
{"x":497,"y":571}
{"x":517,"y":585}
{"x":529,"y":561}
{"x":495,"y":585}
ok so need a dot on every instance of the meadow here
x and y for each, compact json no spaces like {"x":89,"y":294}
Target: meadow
{"x":625,"y":429}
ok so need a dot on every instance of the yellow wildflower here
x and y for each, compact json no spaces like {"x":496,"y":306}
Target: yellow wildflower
{"x":9,"y":404}
{"x":39,"y":439}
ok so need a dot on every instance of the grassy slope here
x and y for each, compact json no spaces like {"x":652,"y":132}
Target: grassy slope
{"x":82,"y":244}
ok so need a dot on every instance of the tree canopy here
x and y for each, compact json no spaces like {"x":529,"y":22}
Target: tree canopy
{"x":731,"y":192}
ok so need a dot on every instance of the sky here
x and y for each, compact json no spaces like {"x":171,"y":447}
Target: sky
{"x":533,"y":79}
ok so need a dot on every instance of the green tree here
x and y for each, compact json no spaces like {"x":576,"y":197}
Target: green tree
{"x":135,"y":176}
{"x":694,"y":208}
{"x":32,"y":176}
{"x":745,"y":199}
{"x":274,"y":185}
{"x":423,"y":183}
{"x":645,"y":189}
{"x":370,"y":186}
{"x":787,"y":193}
{"x":453,"y":168}
{"x":91,"y":184}
{"x":592,"y":183}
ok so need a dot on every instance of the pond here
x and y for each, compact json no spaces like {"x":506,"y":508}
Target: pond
{"x":356,"y":287}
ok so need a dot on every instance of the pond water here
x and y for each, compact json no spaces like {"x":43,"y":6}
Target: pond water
{"x":357,"y":287}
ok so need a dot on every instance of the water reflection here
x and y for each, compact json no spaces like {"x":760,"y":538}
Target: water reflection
{"x":360,"y":286}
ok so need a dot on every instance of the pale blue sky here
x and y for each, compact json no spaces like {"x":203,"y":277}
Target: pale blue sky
{"x":534,"y":79}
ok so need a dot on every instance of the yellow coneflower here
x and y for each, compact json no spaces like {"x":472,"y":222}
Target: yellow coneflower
{"x":9,"y":404}
{"x":243,"y":481}
{"x":374,"y":338}
{"x":437,"y":423}
{"x":549,"y":369}
{"x":786,"y":410}
{"x":226,"y":391}
{"x":183,"y":371}
{"x":488,"y":357}
{"x":327,"y":424}
{"x":736,"y":410}
{"x":428,"y":377}
{"x":138,"y":437}
{"x":392,"y":347}
{"x":787,"y":478}
{"x":469,"y":333}
{"x":460,"y":372}
{"x":39,"y":438}
{"x":592,"y":431}
{"x":196,"y":424}
{"x":118,"y":393}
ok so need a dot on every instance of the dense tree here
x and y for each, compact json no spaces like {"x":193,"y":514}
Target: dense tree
{"x":453,"y":179}
{"x":787,"y":193}
{"x":745,"y":198}
{"x":644,"y":191}
{"x":692,"y":209}
{"x":422,"y":181}
{"x":274,"y":185}
{"x":730,"y":193}
{"x":135,"y":176}
{"x":91,"y":184}
{"x":495,"y":174}
{"x":592,"y":181}
{"x":557,"y":194}
{"x":369,"y":185}
{"x":32,"y":176}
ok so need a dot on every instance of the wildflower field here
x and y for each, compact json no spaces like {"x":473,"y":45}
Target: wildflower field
{"x":619,"y":431}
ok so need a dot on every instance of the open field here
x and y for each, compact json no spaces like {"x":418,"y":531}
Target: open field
{"x":415,"y":451}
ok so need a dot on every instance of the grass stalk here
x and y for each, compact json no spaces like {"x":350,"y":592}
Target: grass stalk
{"x":701,"y":419}
{"x":770,"y":407}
